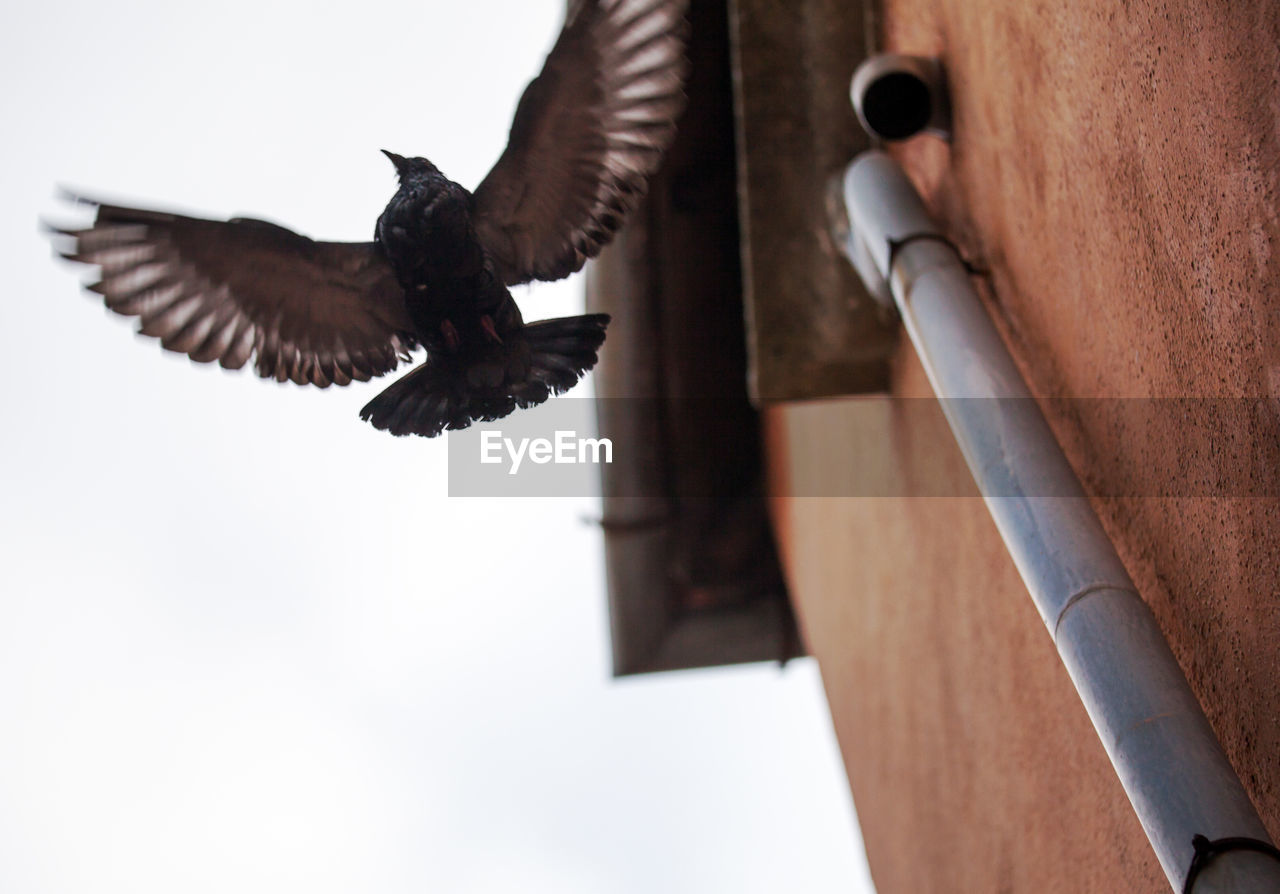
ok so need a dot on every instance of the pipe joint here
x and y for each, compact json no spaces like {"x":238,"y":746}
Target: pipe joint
{"x":1227,"y":864}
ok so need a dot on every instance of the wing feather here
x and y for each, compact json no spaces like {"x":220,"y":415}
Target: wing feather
{"x":588,"y":134}
{"x":316,"y":313}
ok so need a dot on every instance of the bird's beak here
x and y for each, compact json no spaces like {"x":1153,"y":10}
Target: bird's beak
{"x":397,"y":160}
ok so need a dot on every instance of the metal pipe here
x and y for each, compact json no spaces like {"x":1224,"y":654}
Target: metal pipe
{"x":896,"y":96}
{"x":1201,"y":823}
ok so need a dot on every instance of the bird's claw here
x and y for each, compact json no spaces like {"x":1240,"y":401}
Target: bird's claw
{"x":486,"y":323}
{"x":450,"y":335}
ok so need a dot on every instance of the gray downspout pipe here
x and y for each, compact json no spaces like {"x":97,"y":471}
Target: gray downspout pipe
{"x":1201,"y":823}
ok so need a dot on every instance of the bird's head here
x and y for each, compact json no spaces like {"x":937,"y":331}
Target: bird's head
{"x":409,"y":168}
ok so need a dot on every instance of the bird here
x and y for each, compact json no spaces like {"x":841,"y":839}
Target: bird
{"x":589,"y":132}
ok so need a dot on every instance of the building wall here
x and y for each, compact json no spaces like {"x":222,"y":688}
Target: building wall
{"x":1116,"y":168}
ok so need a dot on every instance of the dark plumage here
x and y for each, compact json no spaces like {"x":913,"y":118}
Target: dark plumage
{"x":589,"y":132}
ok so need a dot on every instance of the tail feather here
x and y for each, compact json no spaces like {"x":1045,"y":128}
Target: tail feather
{"x":541,"y":359}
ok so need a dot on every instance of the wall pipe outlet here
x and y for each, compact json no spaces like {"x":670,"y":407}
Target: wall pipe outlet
{"x":1201,"y":823}
{"x":896,"y":96}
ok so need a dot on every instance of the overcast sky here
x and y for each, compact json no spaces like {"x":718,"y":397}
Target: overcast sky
{"x":247,"y":643}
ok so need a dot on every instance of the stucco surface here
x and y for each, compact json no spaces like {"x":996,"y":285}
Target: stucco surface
{"x":1116,"y":168}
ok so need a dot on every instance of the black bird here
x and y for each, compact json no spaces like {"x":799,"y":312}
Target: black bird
{"x":588,"y":133}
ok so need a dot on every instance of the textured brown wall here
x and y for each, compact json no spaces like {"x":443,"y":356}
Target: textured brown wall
{"x":1117,"y":168}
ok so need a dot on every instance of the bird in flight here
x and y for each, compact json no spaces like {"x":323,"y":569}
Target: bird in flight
{"x":589,"y":132}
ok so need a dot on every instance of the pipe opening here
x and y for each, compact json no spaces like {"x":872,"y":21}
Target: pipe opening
{"x":897,"y":105}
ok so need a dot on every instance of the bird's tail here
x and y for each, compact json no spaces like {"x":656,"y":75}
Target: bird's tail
{"x":533,"y":363}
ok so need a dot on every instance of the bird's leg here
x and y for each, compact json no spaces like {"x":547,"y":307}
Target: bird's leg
{"x":486,"y":323}
{"x":450,"y":334}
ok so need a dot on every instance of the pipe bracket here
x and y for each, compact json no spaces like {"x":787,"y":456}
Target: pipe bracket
{"x":1206,"y":851}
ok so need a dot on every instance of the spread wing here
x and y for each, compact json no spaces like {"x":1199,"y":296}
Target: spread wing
{"x":310,"y":312}
{"x":588,"y":133}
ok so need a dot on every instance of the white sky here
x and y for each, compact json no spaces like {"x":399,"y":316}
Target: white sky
{"x":246,"y":641}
